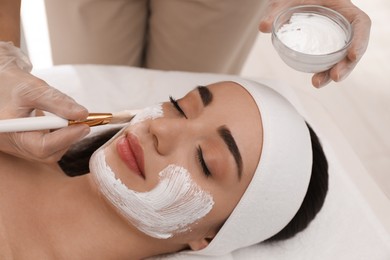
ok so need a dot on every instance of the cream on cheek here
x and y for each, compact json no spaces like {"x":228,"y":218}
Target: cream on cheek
{"x":169,"y":208}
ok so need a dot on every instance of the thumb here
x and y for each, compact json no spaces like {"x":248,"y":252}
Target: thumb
{"x":272,"y":10}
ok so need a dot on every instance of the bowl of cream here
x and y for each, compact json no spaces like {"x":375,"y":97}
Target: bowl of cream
{"x":311,"y":38}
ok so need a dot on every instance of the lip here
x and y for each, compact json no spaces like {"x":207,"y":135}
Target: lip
{"x":131,"y":153}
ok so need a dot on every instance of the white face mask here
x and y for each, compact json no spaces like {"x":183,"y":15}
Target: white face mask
{"x":169,"y":208}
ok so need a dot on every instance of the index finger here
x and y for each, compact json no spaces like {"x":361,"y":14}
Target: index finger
{"x":272,"y":10}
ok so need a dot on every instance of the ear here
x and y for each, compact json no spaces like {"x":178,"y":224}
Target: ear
{"x":199,"y":244}
{"x":202,"y":243}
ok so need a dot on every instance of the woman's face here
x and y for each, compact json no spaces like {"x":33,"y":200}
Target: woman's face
{"x":214,"y":133}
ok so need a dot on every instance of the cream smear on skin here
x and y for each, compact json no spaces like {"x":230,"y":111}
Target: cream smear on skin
{"x":151,"y":112}
{"x":312,"y":34}
{"x":169,"y":208}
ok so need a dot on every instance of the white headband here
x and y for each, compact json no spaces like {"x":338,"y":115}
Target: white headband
{"x":281,"y":179}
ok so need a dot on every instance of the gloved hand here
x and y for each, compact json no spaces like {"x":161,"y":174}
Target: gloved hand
{"x":20,"y":94}
{"x":361,"y":24}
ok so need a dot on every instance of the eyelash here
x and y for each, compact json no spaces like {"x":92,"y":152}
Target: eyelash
{"x":199,"y":155}
{"x":176,"y":105}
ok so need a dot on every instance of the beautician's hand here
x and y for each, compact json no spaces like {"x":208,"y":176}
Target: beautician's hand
{"x":20,"y":94}
{"x":361,"y":24}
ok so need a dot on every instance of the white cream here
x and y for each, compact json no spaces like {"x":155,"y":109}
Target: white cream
{"x":169,"y":208}
{"x":151,"y":112}
{"x":312,"y":34}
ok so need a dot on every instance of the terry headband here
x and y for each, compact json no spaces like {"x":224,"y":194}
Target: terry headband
{"x":281,"y":179}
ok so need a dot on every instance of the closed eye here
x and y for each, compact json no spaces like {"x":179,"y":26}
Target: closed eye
{"x":177,"y":106}
{"x":199,"y":155}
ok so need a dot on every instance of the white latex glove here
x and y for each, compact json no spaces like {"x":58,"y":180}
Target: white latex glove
{"x":20,"y":94}
{"x":361,"y":33}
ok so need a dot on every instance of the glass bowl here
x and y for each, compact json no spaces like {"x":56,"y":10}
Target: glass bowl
{"x":309,"y":60}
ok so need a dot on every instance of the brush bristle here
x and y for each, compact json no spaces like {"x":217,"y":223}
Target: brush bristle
{"x":123,"y":116}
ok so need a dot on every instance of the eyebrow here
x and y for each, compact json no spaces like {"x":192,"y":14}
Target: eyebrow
{"x":228,"y":138}
{"x":207,"y":97}
{"x":205,"y":94}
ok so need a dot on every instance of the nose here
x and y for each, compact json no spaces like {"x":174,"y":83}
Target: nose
{"x":168,"y":134}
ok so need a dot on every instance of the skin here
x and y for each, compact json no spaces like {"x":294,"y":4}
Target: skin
{"x":47,"y":215}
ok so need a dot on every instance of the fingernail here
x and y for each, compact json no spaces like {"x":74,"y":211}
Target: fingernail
{"x":83,"y":128}
{"x":322,"y":84}
{"x":322,"y":79}
{"x":343,"y":74}
{"x":86,"y":130}
{"x":265,"y":25}
{"x":81,"y":112}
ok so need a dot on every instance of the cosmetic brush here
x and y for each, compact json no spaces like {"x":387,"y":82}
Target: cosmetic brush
{"x":52,"y":122}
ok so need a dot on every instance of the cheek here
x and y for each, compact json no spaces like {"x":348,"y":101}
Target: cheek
{"x":169,"y":208}
{"x":226,"y":199}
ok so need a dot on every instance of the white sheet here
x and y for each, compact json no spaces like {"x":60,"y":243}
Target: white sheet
{"x":346,"y":227}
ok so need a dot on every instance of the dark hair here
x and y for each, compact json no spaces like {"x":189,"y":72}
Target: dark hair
{"x":315,"y":195}
{"x":76,"y":162}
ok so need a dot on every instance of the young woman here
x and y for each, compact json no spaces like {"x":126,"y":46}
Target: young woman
{"x":229,"y":165}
